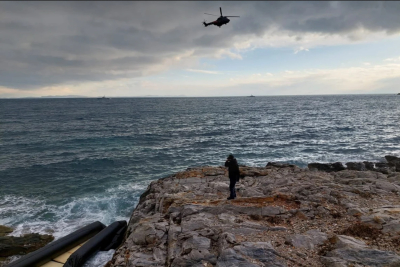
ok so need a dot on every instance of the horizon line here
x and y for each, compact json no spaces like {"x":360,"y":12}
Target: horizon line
{"x":179,"y":96}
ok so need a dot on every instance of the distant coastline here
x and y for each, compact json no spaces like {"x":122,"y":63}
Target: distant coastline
{"x":62,"y":96}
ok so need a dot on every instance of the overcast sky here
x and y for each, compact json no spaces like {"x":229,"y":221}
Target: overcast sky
{"x":162,"y":48}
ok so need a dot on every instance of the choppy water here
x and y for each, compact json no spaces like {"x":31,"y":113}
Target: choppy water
{"x":67,"y":162}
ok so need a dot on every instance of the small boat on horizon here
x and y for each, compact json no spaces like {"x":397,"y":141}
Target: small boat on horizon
{"x":251,"y":96}
{"x":104,"y":97}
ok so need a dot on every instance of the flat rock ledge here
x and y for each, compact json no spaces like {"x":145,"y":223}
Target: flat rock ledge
{"x":283,"y":216}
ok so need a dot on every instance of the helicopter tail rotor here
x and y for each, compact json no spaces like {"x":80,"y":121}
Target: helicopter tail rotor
{"x":205,"y":24}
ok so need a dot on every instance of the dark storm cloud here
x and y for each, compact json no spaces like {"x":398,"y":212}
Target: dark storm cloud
{"x":47,"y":43}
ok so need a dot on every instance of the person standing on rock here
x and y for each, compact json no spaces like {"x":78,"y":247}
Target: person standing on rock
{"x":233,"y":169}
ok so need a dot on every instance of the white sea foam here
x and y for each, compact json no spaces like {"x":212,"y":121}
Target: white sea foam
{"x":29,"y":215}
{"x":100,"y":259}
{"x":130,"y":187}
{"x":13,"y":258}
{"x":14,"y":209}
{"x":68,"y":218}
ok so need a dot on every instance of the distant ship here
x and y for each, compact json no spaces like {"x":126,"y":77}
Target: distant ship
{"x":252,"y":96}
{"x":398,"y":94}
{"x":104,"y":97}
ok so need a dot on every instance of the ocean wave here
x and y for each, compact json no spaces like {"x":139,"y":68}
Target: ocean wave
{"x":35,"y":215}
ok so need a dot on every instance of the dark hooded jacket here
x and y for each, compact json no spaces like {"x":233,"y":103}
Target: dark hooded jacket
{"x":233,"y":168}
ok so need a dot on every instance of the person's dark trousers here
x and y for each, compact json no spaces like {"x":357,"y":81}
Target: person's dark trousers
{"x":232,"y":184}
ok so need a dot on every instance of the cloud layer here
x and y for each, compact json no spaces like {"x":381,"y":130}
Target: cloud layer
{"x":45,"y":44}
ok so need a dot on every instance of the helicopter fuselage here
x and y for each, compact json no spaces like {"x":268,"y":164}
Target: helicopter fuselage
{"x":219,"y":22}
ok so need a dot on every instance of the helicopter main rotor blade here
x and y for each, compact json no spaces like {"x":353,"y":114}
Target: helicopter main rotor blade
{"x":220,"y":10}
{"x":211,"y":14}
{"x":232,"y":16}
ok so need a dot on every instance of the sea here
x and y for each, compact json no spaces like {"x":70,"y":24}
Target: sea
{"x":65,"y":163}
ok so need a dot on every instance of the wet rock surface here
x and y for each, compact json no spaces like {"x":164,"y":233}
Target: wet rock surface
{"x":19,"y":245}
{"x":4,"y":230}
{"x":283,"y":216}
{"x":391,"y":164}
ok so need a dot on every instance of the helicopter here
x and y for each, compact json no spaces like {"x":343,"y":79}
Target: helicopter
{"x":220,"y":21}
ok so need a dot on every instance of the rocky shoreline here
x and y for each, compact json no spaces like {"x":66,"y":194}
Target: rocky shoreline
{"x":323,"y":215}
{"x":328,"y":214}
